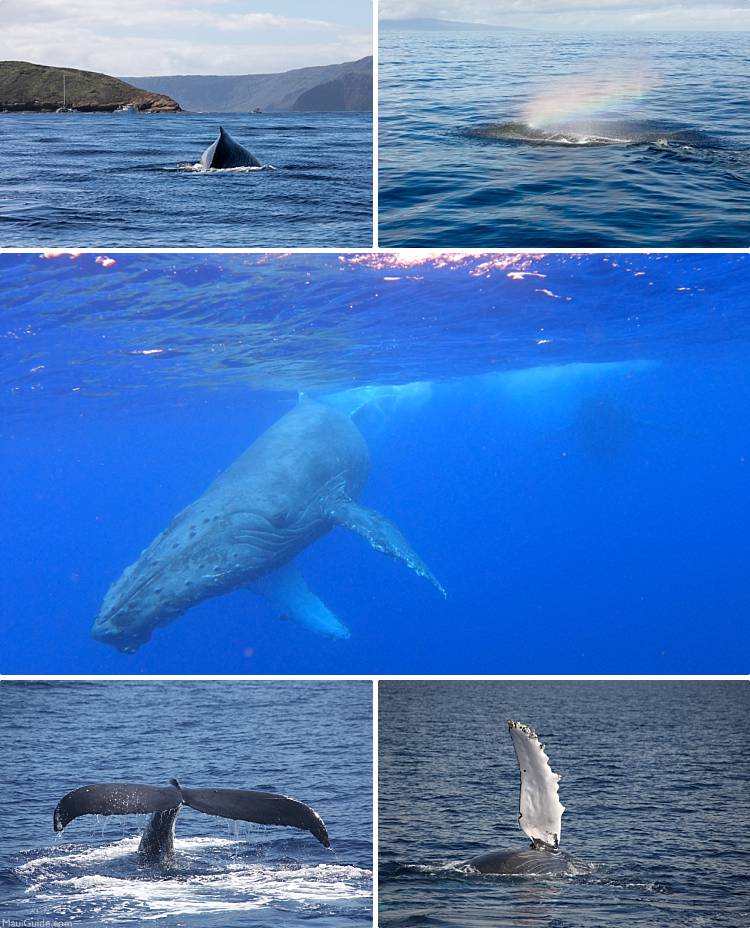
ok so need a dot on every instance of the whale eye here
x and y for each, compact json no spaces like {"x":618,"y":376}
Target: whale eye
{"x":279,"y":519}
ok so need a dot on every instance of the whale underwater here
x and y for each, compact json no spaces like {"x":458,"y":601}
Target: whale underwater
{"x":164,"y":803}
{"x":297,"y":481}
{"x":540,"y":816}
{"x":226,"y":152}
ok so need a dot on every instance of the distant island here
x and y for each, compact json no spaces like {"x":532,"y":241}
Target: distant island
{"x":434,"y":25}
{"x":345,"y":87}
{"x":26,"y":87}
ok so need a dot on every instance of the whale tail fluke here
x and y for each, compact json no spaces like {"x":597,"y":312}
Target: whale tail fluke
{"x":238,"y":804}
{"x":114,"y":799}
{"x":258,"y":807}
{"x":285,"y":588}
{"x":540,"y":809}
{"x":382,"y":534}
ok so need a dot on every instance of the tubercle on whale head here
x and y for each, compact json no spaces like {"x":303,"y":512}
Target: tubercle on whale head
{"x":126,"y":639}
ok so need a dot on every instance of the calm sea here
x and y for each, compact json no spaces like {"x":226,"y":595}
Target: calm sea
{"x":129,"y":180}
{"x":654,"y":780}
{"x":519,"y":138}
{"x":563,"y":439}
{"x":310,"y":740}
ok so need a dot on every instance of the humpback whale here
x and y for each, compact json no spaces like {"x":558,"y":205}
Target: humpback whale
{"x":298,"y":480}
{"x":225,"y":152}
{"x":540,"y":814}
{"x":165,"y":802}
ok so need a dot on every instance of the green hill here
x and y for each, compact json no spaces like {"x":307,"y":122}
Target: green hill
{"x":37,"y":88}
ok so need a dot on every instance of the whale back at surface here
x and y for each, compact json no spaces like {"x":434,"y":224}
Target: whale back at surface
{"x":226,"y":152}
{"x":528,"y":861}
{"x":257,"y":515}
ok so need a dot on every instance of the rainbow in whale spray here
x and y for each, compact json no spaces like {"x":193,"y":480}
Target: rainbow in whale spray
{"x":582,"y":96}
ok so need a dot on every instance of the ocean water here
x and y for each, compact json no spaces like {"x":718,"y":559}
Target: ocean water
{"x":654,"y":786}
{"x":311,"y":740}
{"x":518,"y":138}
{"x":128,"y":180}
{"x":563,"y":439}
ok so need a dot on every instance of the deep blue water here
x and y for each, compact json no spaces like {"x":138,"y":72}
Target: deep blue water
{"x":568,"y":453}
{"x":310,"y":740}
{"x":126,"y":180}
{"x":529,"y":139}
{"x":653,"y":781}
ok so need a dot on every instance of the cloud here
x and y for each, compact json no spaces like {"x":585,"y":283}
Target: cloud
{"x":174,"y":36}
{"x":580,"y":14}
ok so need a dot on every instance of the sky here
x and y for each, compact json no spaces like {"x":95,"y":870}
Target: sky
{"x":582,"y":15}
{"x":148,"y":37}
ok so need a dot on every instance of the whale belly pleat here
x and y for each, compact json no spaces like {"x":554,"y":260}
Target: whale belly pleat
{"x":285,"y":588}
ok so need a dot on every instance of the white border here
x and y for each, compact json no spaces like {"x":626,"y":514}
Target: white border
{"x":374,"y":678}
{"x":427,"y":252}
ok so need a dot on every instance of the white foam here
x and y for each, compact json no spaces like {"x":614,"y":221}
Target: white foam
{"x":81,"y":857}
{"x":247,"y":169}
{"x":233,"y":885}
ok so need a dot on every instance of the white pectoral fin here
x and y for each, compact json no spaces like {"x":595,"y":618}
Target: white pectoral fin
{"x":285,"y":588}
{"x":540,"y":812}
{"x":382,"y":535}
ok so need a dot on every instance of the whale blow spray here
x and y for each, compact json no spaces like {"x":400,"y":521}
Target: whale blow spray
{"x":587,"y":95}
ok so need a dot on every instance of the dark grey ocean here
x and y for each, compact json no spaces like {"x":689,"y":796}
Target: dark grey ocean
{"x":655,"y":781}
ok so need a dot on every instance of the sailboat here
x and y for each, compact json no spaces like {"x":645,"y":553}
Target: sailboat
{"x":64,"y":108}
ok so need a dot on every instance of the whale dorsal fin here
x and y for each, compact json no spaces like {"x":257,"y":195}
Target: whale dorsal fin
{"x":540,"y":811}
{"x":382,"y":534}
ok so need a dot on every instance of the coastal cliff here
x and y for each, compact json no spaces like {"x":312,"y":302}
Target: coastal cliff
{"x":345,"y":87}
{"x":26,"y":87}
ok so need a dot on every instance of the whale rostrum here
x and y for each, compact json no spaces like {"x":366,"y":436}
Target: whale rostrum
{"x":298,"y":480}
{"x":165,"y":802}
{"x":540,"y":814}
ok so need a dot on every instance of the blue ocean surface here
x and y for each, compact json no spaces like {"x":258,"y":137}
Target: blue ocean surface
{"x":562,"y":439}
{"x":310,"y":740}
{"x":515,"y":138}
{"x":131,"y":180}
{"x":654,"y":786}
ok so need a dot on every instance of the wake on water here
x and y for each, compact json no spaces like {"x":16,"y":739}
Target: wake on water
{"x":199,"y":169}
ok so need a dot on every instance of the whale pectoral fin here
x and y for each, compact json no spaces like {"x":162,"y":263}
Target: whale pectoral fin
{"x":285,"y":588}
{"x":382,"y":535}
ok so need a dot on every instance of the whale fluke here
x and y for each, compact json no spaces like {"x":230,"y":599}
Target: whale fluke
{"x":259,"y":807}
{"x":540,"y":810}
{"x":225,"y":152}
{"x":114,"y":799}
{"x":166,"y":801}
